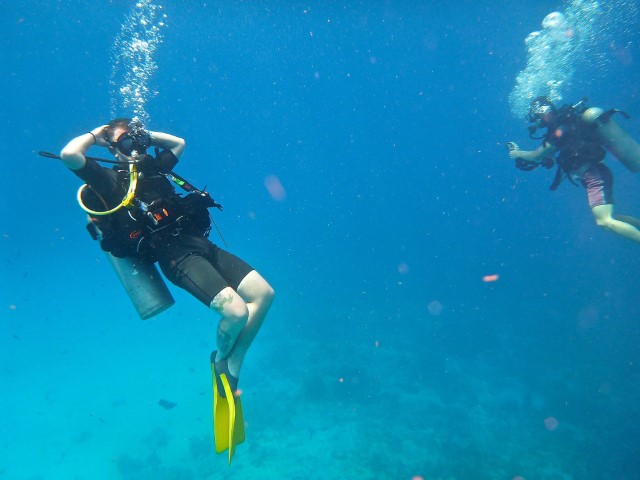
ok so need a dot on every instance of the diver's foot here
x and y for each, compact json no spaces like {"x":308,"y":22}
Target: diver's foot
{"x":220,"y":367}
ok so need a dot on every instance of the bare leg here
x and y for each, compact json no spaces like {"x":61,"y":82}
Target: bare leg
{"x":235,"y":315}
{"x":258,"y":295}
{"x":629,"y":219}
{"x":243,"y":313}
{"x":604,"y":218}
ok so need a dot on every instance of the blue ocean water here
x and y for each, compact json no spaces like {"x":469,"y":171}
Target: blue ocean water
{"x":385,"y":355}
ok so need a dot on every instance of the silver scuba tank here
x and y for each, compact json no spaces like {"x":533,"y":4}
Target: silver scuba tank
{"x":141,"y":280}
{"x":614,"y":138}
{"x":144,"y":285}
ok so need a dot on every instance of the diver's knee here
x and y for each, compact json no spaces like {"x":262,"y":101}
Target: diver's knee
{"x":255,"y":289}
{"x":230,"y":305}
{"x":267,"y":294}
{"x":234,"y":319}
{"x":605,"y":222}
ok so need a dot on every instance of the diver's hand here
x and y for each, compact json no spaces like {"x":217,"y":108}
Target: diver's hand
{"x":142,"y":137}
{"x":100,"y":134}
{"x":513,"y":154}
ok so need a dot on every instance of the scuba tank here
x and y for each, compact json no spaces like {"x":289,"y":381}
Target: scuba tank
{"x":144,"y":285}
{"x":141,"y":280}
{"x":613,"y":137}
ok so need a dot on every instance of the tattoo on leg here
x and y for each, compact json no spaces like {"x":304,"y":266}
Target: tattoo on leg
{"x":224,"y":343}
{"x":219,"y":300}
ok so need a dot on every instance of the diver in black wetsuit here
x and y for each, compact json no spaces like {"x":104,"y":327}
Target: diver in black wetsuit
{"x":158,"y":225}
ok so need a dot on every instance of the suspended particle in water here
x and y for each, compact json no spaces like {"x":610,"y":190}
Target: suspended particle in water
{"x":275,"y":188}
{"x":551,"y":423}
{"x":435,"y":308}
{"x":491,"y":278}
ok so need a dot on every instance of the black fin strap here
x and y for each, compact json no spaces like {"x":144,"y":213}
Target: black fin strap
{"x":606,"y":116}
{"x":557,"y":180}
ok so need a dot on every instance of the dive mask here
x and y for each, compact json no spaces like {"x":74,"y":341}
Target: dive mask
{"x":539,"y":108}
{"x":132,"y":141}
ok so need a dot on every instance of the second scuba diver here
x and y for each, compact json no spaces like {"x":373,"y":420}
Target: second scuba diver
{"x":575,"y":140}
{"x":137,"y":214}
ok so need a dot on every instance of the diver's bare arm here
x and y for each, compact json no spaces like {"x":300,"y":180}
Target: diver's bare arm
{"x":536,"y":155}
{"x":169,"y":142}
{"x":72,"y":154}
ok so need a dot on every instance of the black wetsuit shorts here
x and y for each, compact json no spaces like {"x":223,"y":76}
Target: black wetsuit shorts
{"x":190,"y":262}
{"x":201,"y":267}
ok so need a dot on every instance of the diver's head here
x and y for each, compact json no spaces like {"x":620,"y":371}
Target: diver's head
{"x":127,"y":136}
{"x":541,"y":111}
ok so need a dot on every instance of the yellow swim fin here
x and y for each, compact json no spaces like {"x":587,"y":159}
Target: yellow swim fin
{"x":228,"y":421}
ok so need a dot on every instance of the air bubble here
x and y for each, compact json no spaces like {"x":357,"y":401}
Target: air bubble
{"x":133,"y":64}
{"x":572,"y":45}
{"x":553,"y":20}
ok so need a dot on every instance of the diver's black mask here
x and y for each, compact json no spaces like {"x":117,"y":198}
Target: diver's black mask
{"x":539,"y":110}
{"x":129,"y":142}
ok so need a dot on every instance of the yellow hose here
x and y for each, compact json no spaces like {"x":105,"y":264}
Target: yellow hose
{"x":126,"y":201}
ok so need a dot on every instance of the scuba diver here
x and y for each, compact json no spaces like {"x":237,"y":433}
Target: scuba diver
{"x":139,"y":218}
{"x":575,"y":140}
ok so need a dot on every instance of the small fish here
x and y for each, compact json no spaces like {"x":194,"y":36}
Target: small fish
{"x":166,"y":404}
